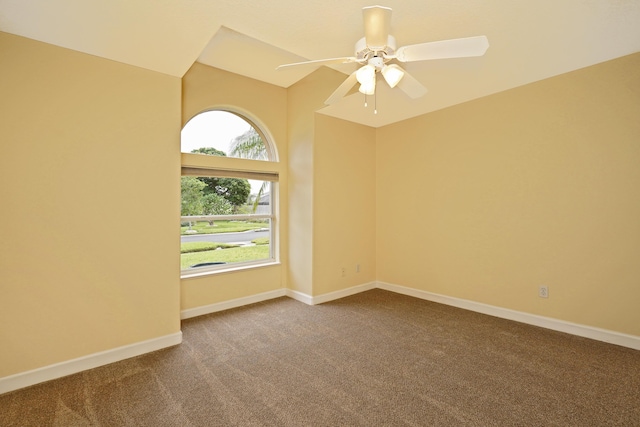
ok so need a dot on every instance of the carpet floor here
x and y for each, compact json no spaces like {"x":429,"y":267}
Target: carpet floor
{"x":372,"y":359}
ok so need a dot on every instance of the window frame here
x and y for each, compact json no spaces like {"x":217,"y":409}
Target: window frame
{"x":198,"y":164}
{"x":271,"y":260}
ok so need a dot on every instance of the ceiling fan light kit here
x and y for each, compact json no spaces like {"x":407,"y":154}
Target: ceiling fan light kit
{"x":392,"y":74}
{"x":365,"y":74}
{"x":377,"y":48}
{"x":368,"y":88}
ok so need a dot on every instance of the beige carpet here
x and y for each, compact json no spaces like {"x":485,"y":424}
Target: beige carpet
{"x":373,"y":359}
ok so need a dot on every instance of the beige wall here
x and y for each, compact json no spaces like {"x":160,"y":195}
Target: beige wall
{"x":327,"y":170}
{"x":89,"y":186}
{"x":534,"y":186}
{"x":206,"y":88}
{"x":303,"y":99}
{"x":300,"y":114}
{"x":483,"y":201}
{"x":344,"y":200}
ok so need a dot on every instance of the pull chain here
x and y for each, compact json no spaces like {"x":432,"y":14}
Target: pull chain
{"x":375,"y":102}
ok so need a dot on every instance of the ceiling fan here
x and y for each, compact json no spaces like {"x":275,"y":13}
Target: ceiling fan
{"x":377,"y":48}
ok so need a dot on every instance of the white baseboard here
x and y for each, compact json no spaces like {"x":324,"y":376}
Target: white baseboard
{"x":58,"y":370}
{"x":612,"y":337}
{"x":309,"y":300}
{"x":226,"y":305}
{"x":73,"y":366}
{"x":300,"y":296}
{"x":591,"y":332}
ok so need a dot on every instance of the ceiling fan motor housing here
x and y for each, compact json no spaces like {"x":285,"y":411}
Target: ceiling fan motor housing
{"x":365,"y":53}
{"x":377,"y":62}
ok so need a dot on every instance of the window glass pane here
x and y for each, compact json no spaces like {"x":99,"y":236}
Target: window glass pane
{"x":224,"y":248}
{"x":210,"y":195}
{"x":220,"y":133}
{"x":224,"y":221}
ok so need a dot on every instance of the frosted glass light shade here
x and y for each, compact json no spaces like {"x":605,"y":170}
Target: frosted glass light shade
{"x":366,"y":74}
{"x":368,"y":88}
{"x":392,"y":74}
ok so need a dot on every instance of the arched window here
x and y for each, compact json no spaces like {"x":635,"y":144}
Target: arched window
{"x":227,"y":194}
{"x":227,"y":132}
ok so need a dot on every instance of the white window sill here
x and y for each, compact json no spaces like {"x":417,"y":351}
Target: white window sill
{"x":232,"y":268}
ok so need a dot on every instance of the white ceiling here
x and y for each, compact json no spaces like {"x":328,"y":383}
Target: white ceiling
{"x":529,"y":40}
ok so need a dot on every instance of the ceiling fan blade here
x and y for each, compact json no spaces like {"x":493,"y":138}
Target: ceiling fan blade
{"x":377,"y":23}
{"x":342,"y":90}
{"x":409,"y":85}
{"x":343,"y":60}
{"x":455,"y":48}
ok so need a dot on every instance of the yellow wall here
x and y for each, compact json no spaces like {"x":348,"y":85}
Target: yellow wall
{"x":483,"y":201}
{"x":344,"y":200}
{"x":304,"y":98}
{"x":89,"y":174}
{"x":538,"y":185}
{"x":327,"y":186}
{"x":207,"y":88}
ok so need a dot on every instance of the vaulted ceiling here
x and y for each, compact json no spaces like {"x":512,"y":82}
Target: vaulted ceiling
{"x":529,"y":40}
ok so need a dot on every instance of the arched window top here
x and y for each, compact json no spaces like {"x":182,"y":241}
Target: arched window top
{"x":224,"y":133}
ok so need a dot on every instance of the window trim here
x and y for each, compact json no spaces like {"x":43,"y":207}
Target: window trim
{"x":230,"y":173}
{"x":197,"y":164}
{"x":227,"y":268}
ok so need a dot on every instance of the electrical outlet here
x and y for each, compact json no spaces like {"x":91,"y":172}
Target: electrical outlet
{"x":344,"y":272}
{"x":357,"y":268}
{"x":543,"y":292}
